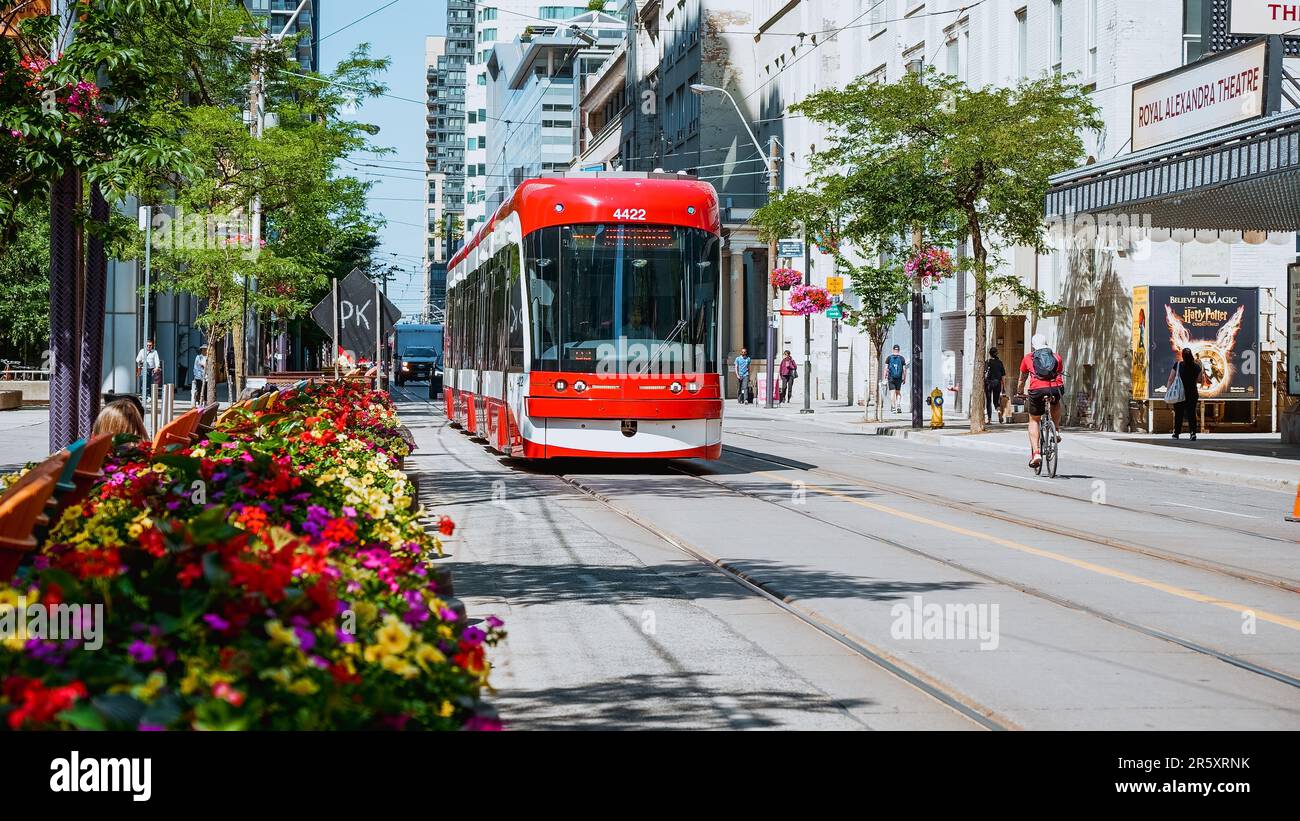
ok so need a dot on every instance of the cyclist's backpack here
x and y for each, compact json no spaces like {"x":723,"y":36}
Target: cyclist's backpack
{"x":895,"y":367}
{"x":1045,"y":365}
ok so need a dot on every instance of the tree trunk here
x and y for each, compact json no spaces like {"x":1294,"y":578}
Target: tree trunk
{"x":237,"y":374}
{"x":980,"y":255}
{"x":873,"y":377}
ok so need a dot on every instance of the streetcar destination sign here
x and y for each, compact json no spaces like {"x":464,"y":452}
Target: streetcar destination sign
{"x":1211,"y":93}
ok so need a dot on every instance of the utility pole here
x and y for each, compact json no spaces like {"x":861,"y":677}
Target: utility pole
{"x":918,"y":337}
{"x":807,"y":331}
{"x":772,"y":157}
{"x":257,"y":124}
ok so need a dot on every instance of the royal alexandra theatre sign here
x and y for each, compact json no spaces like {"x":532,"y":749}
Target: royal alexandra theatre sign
{"x":1211,"y":93}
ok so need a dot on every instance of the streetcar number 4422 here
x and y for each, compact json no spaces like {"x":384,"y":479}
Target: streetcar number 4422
{"x":630,"y":214}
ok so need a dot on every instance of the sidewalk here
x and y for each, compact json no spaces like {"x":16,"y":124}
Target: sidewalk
{"x":1251,"y":459}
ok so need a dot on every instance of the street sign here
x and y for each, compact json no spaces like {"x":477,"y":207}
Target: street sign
{"x":792,"y":248}
{"x":834,"y":312}
{"x":835,"y":285}
{"x":356,"y":315}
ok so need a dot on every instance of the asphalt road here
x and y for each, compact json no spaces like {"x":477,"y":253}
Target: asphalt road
{"x":813,"y":578}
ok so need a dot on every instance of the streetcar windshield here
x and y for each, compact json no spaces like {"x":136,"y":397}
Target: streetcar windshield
{"x":619,"y":298}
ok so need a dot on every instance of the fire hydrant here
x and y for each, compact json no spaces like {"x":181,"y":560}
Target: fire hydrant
{"x":935,"y":401}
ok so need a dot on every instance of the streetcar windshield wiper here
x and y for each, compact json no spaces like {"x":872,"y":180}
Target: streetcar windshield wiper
{"x":663,"y":346}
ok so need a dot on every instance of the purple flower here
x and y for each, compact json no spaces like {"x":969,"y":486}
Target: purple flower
{"x":151,"y":728}
{"x":344,"y":637}
{"x":141,"y":652}
{"x":494,"y":622}
{"x":306,"y":638}
{"x":473,"y":635}
{"x":350,"y":511}
{"x":216,"y":622}
{"x":447,"y":614}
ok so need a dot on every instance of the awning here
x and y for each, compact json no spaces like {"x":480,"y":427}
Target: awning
{"x":1244,"y":177}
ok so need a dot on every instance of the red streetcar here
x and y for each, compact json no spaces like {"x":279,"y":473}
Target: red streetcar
{"x":582,"y":320}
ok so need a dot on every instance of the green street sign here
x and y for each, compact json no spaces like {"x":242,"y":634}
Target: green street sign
{"x":834,"y":312}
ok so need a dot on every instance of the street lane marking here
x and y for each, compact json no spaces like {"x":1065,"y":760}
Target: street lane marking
{"x":1027,"y":478}
{"x":1209,"y":510}
{"x":1093,"y":567}
{"x":891,"y":455}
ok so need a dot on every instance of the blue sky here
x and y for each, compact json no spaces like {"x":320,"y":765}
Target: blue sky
{"x":396,"y":32}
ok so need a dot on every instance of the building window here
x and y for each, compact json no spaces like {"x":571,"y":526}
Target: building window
{"x":488,"y":13}
{"x":1192,"y":47}
{"x":487,"y":35}
{"x":1093,"y":24}
{"x":1022,"y":42}
{"x":879,"y":16}
{"x":1057,"y":36}
{"x":954,"y":57}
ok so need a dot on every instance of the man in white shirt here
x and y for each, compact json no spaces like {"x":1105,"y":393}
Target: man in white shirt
{"x":197,"y":392}
{"x":148,"y":361}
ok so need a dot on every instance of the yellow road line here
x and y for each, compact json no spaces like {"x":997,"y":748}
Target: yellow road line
{"x":1172,"y":590}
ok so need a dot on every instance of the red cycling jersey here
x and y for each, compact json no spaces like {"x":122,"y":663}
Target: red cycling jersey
{"x":1027,"y":366}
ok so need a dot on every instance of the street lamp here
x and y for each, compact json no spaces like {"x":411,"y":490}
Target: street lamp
{"x":702,"y":89}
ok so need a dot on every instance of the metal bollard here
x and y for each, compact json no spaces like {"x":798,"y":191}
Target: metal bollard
{"x":153,"y":409}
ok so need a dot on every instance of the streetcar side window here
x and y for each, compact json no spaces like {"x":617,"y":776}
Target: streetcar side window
{"x":542,"y":267}
{"x":515,"y":332}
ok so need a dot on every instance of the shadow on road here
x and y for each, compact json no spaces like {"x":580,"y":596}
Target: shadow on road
{"x":661,"y":701}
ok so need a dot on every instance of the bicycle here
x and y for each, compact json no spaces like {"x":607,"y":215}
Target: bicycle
{"x":1048,"y":448}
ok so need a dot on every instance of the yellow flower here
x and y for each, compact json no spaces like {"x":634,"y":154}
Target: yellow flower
{"x":191,"y":682}
{"x":394,"y":636}
{"x":134,"y":530}
{"x":402,"y":668}
{"x":374,"y":653}
{"x":366,"y":611}
{"x":9,"y":597}
{"x":427,"y":654}
{"x":280,"y":634}
{"x":444,"y":631}
{"x":445,"y":710}
{"x":303,"y":687}
{"x":158,"y":467}
{"x":151,"y":687}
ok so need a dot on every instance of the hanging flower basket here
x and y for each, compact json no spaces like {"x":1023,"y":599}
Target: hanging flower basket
{"x":930,"y":266}
{"x":785,"y":278}
{"x":809,"y":299}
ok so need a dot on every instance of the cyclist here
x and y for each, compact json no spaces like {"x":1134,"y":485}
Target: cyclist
{"x":1043,"y":374}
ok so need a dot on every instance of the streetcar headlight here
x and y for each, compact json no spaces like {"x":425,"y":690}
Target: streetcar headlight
{"x":559,"y":207}
{"x":560,"y":384}
{"x":579,"y":386}
{"x":676,"y":387}
{"x":693,"y":387}
{"x":690,"y":209}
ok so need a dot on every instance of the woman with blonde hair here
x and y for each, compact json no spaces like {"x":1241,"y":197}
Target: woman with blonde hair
{"x":120,"y":417}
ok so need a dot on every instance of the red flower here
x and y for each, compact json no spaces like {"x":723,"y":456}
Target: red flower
{"x":340,"y":530}
{"x":151,"y":541}
{"x":446,"y":526}
{"x":37,"y":703}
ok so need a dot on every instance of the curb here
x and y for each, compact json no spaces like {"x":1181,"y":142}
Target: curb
{"x":1223,"y":476}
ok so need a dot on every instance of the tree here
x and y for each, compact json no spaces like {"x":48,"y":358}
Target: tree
{"x":883,"y":291}
{"x":930,"y":154}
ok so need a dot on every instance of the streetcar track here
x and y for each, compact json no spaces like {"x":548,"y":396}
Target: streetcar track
{"x":1231,"y":571}
{"x":1188,"y":644}
{"x":967,"y":708}
{"x":948,"y":474}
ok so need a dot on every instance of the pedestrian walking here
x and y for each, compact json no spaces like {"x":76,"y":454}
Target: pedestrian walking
{"x":896,"y":371}
{"x":741,"y":366}
{"x":149,"y":364}
{"x":995,"y":384}
{"x":789,"y":373}
{"x":198,"y":392}
{"x":1192,"y":375}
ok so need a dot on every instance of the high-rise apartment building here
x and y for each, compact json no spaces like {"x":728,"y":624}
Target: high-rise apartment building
{"x":446,"y":59}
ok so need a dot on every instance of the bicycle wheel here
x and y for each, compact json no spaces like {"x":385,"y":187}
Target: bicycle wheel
{"x":1050,"y":452}
{"x":1042,"y":448}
